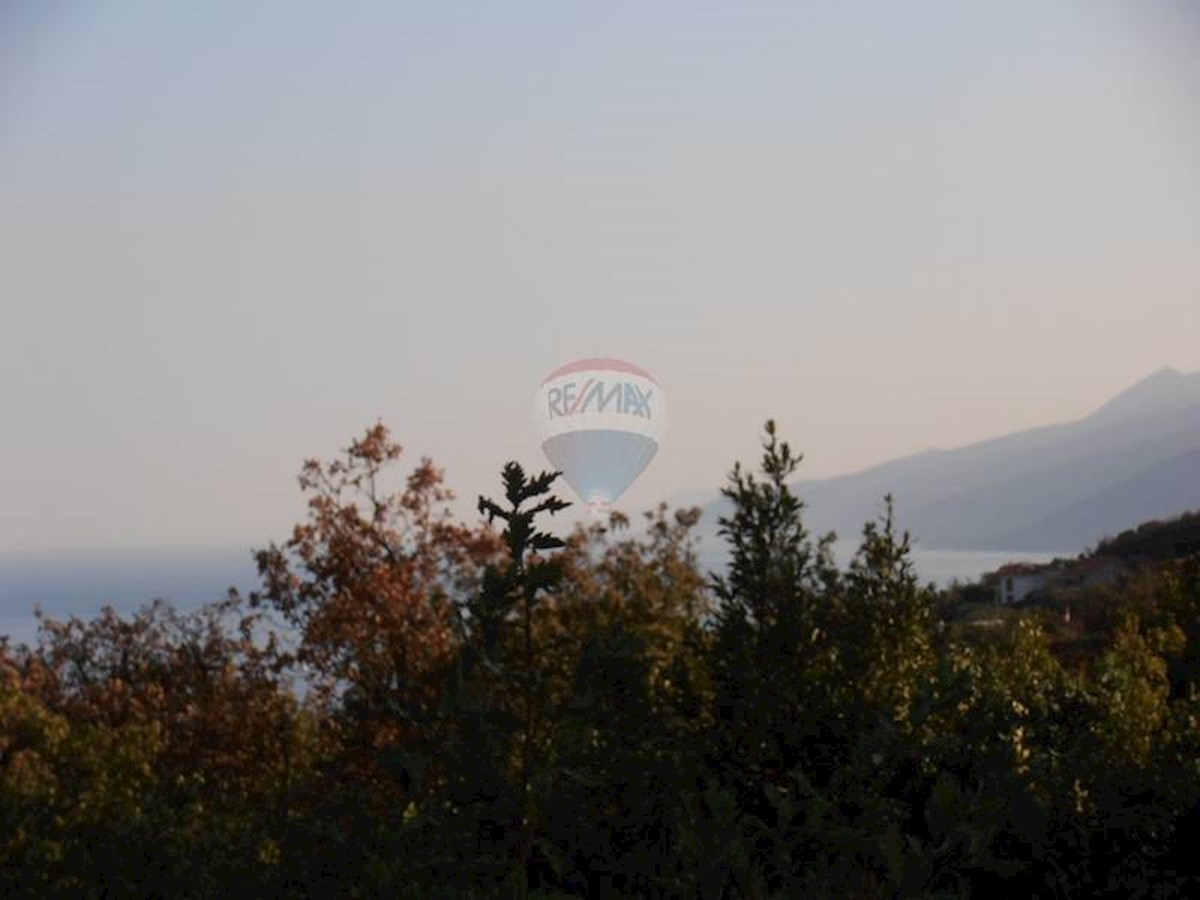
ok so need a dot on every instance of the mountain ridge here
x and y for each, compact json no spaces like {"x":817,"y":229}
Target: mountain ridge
{"x":1050,"y":488}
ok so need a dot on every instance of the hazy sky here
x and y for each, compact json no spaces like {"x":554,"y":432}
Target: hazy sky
{"x":235,"y":234}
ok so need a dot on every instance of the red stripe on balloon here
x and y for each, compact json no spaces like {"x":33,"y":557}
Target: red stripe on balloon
{"x":582,"y":394}
{"x":599,"y":363}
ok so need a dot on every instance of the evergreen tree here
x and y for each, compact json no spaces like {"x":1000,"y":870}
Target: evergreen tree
{"x":770,"y":658}
{"x":500,"y":701}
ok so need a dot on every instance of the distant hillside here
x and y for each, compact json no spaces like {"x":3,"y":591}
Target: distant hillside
{"x":1157,"y":493}
{"x":1060,"y":488}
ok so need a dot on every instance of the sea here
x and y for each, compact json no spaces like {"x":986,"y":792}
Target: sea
{"x":62,"y":585}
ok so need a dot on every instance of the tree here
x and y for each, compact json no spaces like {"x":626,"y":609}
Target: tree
{"x":366,"y":591}
{"x":625,"y":633}
{"x":886,"y":647}
{"x":134,"y":751}
{"x":771,"y":620}
{"x":500,"y":699}
{"x":770,"y":657}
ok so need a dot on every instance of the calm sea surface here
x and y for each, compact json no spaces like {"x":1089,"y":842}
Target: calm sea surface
{"x":81,"y":584}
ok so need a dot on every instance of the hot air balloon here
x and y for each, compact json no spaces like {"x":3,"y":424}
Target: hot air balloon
{"x":601,"y":421}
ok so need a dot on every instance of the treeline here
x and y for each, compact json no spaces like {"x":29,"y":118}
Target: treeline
{"x":414,"y":707}
{"x":1155,"y":541}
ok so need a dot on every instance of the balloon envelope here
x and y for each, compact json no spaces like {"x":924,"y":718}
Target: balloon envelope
{"x":601,"y":421}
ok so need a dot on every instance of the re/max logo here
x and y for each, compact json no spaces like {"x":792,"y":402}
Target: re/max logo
{"x":598,"y":396}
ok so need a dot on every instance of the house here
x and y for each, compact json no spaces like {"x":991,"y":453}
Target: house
{"x":1016,"y":581}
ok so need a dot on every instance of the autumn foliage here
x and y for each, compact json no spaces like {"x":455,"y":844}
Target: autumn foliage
{"x":410,"y":705}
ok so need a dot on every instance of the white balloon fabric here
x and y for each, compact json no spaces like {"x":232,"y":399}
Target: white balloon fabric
{"x":601,"y":422}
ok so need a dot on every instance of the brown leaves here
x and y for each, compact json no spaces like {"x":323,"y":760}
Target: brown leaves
{"x":369,"y":583}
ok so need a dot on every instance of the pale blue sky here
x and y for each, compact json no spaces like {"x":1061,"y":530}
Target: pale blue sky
{"x":237,"y":233}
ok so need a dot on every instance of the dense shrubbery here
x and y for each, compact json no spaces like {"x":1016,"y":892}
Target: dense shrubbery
{"x":494,"y":711}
